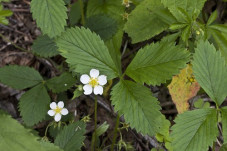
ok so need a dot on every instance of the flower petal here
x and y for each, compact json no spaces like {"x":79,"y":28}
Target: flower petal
{"x":98,"y":90}
{"x":61,"y":104}
{"x":57,"y":117}
{"x":87,"y":89}
{"x":51,"y":112}
{"x":85,"y":79}
{"x":102,"y":80}
{"x":53,"y":105}
{"x":94,"y":73}
{"x":64,"y":111}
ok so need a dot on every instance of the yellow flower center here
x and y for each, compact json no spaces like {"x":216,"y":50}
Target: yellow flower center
{"x":93,"y":82}
{"x":57,"y":110}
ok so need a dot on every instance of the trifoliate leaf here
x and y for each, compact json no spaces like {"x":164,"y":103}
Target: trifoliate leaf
{"x":143,"y":24}
{"x":75,"y":13}
{"x":192,"y":7}
{"x":182,"y":88}
{"x":112,"y":8}
{"x":139,"y":107}
{"x":14,"y":137}
{"x":102,"y":25}
{"x":85,"y":50}
{"x":195,"y":130}
{"x":210,"y":71}
{"x":224,"y":123}
{"x":45,"y":47}
{"x":19,"y":77}
{"x":33,"y":105}
{"x":158,"y":62}
{"x":61,"y":83}
{"x":71,"y":137}
{"x":50,"y":16}
{"x":223,"y":147}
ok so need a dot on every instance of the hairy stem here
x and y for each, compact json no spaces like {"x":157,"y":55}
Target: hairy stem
{"x":82,"y":12}
{"x":93,"y":142}
{"x":115,"y":132}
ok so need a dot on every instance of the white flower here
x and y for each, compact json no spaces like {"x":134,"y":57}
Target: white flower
{"x":126,"y":3}
{"x":57,"y":110}
{"x":94,"y":82}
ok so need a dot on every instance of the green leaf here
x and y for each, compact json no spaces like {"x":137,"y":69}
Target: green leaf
{"x":139,"y":107}
{"x":113,"y":8}
{"x":158,"y":62}
{"x":47,"y":146}
{"x":223,"y":147}
{"x":77,"y":93}
{"x":224,"y":123}
{"x":14,"y":137}
{"x":221,"y":40}
{"x":212,"y":17}
{"x":102,"y":129}
{"x":71,"y":137}
{"x":192,"y":7}
{"x":186,"y":33}
{"x":75,"y":13}
{"x":50,"y":16}
{"x":114,"y":46}
{"x":19,"y":77}
{"x":4,"y":1}
{"x":102,"y":25}
{"x":61,"y":83}
{"x":195,"y":130}
{"x":220,"y":27}
{"x":5,"y":13}
{"x":45,"y":47}
{"x":144,"y":24}
{"x":210,"y":71}
{"x":33,"y":105}
{"x":85,"y":50}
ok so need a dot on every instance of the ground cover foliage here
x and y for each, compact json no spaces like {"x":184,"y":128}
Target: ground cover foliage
{"x":116,"y":53}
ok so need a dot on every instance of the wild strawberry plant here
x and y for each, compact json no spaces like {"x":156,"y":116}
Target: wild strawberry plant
{"x":191,"y":52}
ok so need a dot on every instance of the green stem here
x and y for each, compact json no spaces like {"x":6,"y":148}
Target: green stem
{"x":50,"y":124}
{"x":115,"y":132}
{"x":93,"y":142}
{"x":82,"y":12}
{"x":16,"y":46}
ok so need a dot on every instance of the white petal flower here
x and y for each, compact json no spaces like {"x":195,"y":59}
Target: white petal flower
{"x":64,"y":111}
{"x":94,"y":73}
{"x":94,"y":83}
{"x":53,"y":105}
{"x":98,"y":90}
{"x":84,"y":79}
{"x":61,"y":104}
{"x":126,"y":3}
{"x":51,"y":112}
{"x":102,"y":80}
{"x":57,"y":110}
{"x":87,"y":89}
{"x":57,"y":117}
